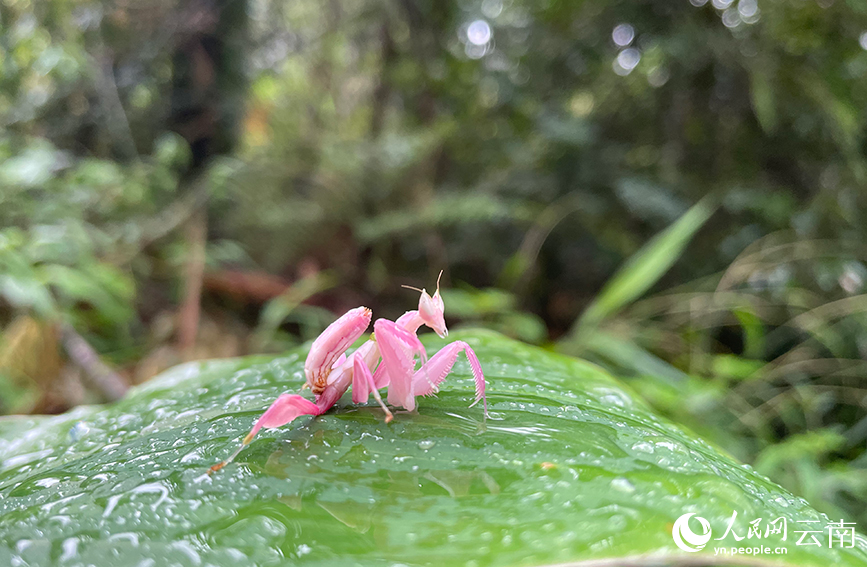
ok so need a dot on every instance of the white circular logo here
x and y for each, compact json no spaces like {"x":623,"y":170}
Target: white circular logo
{"x":685,"y":538}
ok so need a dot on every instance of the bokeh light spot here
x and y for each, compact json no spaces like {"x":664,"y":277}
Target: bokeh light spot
{"x":479,"y":32}
{"x":731,"y":18}
{"x":748,"y":8}
{"x":474,"y":51}
{"x":623,"y":35}
{"x":492,"y":8}
{"x":626,"y":61}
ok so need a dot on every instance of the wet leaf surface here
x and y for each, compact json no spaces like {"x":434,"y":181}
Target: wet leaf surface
{"x":569,"y":467}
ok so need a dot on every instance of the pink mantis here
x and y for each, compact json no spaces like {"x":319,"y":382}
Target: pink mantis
{"x":330,"y":372}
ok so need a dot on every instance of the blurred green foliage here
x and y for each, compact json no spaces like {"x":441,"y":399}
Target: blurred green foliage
{"x":69,"y":230}
{"x":671,"y":189}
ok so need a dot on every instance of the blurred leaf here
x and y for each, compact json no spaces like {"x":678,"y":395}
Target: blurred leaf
{"x":446,"y":210}
{"x":627,"y":355}
{"x":754,"y":331}
{"x":840,"y":112}
{"x":467,"y":303}
{"x":32,"y":168}
{"x":525,"y":327}
{"x":102,"y":287}
{"x":278,"y":309}
{"x":810,"y":446}
{"x":25,"y":292}
{"x":643,"y":269}
{"x":172,"y":151}
{"x":762,"y":95}
{"x":29,"y":363}
{"x":495,"y":309}
{"x":16,"y":395}
{"x":650,"y":201}
{"x":736,"y":367}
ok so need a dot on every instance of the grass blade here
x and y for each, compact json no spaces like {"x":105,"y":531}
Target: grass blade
{"x":644,"y":268}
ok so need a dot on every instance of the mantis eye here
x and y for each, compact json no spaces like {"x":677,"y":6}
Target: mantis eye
{"x":426,"y":306}
{"x":437,"y":302}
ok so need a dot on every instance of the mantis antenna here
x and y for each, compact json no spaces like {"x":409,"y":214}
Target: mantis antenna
{"x":439,"y":277}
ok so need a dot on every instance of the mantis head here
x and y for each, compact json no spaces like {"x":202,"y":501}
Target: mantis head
{"x":431,"y":310}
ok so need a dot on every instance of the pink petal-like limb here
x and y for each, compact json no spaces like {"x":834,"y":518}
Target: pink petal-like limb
{"x":398,"y":348}
{"x":333,"y":342}
{"x":328,"y":373}
{"x":341,"y":360}
{"x":284,"y":409}
{"x":380,"y":377}
{"x":363,"y":385}
{"x":408,"y":339}
{"x":429,"y":376}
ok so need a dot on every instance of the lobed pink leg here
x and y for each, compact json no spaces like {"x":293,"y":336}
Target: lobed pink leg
{"x":284,"y":409}
{"x":363,"y":385}
{"x":398,"y":348}
{"x":429,"y":376}
{"x":326,"y":350}
{"x":380,"y":377}
{"x":327,"y":373}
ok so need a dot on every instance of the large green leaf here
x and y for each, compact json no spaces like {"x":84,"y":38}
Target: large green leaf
{"x":569,"y":467}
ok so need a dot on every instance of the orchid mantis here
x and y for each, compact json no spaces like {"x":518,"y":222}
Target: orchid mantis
{"x":330,"y":372}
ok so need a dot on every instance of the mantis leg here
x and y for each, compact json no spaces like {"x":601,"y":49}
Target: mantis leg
{"x":426,"y":380}
{"x":326,"y":351}
{"x":363,"y":385}
{"x":284,"y":409}
{"x":398,"y":348}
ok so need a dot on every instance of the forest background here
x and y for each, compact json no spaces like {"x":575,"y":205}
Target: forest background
{"x":674,"y":190}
